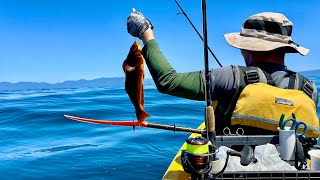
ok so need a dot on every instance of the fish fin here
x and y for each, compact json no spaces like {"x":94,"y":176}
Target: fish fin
{"x":142,"y":116}
{"x":130,"y":68}
{"x":127,"y":67}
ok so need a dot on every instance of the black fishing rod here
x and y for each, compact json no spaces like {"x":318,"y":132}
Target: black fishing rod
{"x":182,"y":12}
{"x":209,"y":119}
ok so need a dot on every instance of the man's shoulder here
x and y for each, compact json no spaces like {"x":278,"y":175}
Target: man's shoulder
{"x":231,"y":71}
{"x":222,"y":69}
{"x":227,"y":68}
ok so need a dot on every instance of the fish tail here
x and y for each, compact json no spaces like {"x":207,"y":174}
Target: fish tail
{"x":142,"y":116}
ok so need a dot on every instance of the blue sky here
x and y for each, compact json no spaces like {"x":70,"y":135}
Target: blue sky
{"x":53,"y":41}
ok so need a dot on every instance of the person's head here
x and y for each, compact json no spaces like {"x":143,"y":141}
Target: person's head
{"x":265,"y":38}
{"x":260,"y":57}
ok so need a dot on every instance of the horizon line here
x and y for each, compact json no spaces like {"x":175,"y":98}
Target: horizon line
{"x":58,"y":82}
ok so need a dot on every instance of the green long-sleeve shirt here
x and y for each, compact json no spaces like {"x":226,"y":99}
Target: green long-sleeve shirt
{"x":187,"y":85}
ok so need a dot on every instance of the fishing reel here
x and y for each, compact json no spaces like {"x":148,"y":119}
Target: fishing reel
{"x":197,"y":159}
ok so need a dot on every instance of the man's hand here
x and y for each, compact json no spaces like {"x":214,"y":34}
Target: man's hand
{"x":137,"y":24}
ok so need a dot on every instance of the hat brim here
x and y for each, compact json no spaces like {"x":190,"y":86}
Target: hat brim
{"x":257,"y":44}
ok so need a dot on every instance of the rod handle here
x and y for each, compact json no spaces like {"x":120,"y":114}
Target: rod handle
{"x":210,"y":119}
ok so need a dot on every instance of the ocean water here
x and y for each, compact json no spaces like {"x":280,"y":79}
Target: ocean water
{"x":37,"y":142}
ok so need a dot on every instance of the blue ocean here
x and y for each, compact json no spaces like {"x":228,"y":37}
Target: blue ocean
{"x":37,"y":142}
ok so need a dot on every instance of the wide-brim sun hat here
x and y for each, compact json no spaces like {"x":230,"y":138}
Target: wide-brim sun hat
{"x":265,"y":32}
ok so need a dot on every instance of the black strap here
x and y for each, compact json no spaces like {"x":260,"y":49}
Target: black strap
{"x":252,"y":76}
{"x":292,"y":79}
{"x":270,"y":81}
{"x":304,"y":85}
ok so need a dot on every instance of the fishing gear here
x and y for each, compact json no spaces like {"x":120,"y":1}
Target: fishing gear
{"x":227,"y":132}
{"x":209,"y":119}
{"x":135,"y":123}
{"x":302,"y":147}
{"x":183,"y":12}
{"x":197,"y":163}
{"x":196,"y":159}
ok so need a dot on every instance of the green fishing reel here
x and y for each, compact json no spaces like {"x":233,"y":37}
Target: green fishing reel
{"x":196,"y":159}
{"x":197,"y":145}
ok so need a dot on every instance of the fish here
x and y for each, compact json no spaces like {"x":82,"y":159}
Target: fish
{"x":133,"y":67}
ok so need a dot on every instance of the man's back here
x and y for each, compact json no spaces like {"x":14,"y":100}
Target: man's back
{"x":229,"y":82}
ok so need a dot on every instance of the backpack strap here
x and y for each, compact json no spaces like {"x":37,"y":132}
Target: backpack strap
{"x":270,"y":81}
{"x":227,"y":102}
{"x":307,"y":87}
{"x":248,"y":75}
{"x":292,"y":79}
{"x":244,"y":76}
{"x":299,"y":82}
{"x":251,"y":75}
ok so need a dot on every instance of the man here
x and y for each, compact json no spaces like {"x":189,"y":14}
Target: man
{"x":264,"y":39}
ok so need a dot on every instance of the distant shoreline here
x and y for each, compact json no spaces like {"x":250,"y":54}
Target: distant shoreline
{"x":82,"y":83}
{"x":113,"y":82}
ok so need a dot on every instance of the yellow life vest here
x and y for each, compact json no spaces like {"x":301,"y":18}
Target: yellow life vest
{"x":261,"y":105}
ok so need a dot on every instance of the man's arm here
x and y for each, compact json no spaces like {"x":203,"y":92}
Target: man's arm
{"x":147,"y":36}
{"x":187,"y":85}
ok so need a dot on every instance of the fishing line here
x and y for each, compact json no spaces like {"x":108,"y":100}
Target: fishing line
{"x":183,"y":12}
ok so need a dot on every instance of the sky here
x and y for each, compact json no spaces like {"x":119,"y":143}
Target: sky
{"x":57,"y":40}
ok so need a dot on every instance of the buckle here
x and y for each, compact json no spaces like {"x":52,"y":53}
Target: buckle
{"x":308,"y":89}
{"x":252,"y":76}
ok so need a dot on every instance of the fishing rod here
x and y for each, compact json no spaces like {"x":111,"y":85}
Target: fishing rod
{"x":182,"y":12}
{"x":198,"y":164}
{"x":135,"y":123}
{"x":209,"y":119}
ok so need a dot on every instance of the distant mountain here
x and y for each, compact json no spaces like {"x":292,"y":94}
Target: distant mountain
{"x":115,"y":82}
